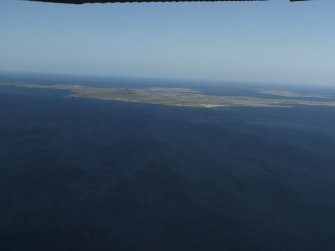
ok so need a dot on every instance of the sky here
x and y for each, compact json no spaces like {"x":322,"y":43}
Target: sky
{"x":275,"y":41}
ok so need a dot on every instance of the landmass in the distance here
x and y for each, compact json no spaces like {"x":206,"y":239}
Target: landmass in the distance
{"x":292,"y":94}
{"x":180,"y":96}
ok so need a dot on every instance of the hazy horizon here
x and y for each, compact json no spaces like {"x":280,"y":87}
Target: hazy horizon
{"x":90,"y":79}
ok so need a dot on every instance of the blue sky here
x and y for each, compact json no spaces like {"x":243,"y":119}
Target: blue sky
{"x":274,"y":41}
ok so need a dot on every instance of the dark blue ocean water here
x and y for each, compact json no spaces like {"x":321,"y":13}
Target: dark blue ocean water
{"x":79,"y":174}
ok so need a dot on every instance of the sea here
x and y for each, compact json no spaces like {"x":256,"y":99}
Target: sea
{"x":87,"y":175}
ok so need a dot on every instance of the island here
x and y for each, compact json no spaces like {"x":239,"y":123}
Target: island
{"x":178,"y":96}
